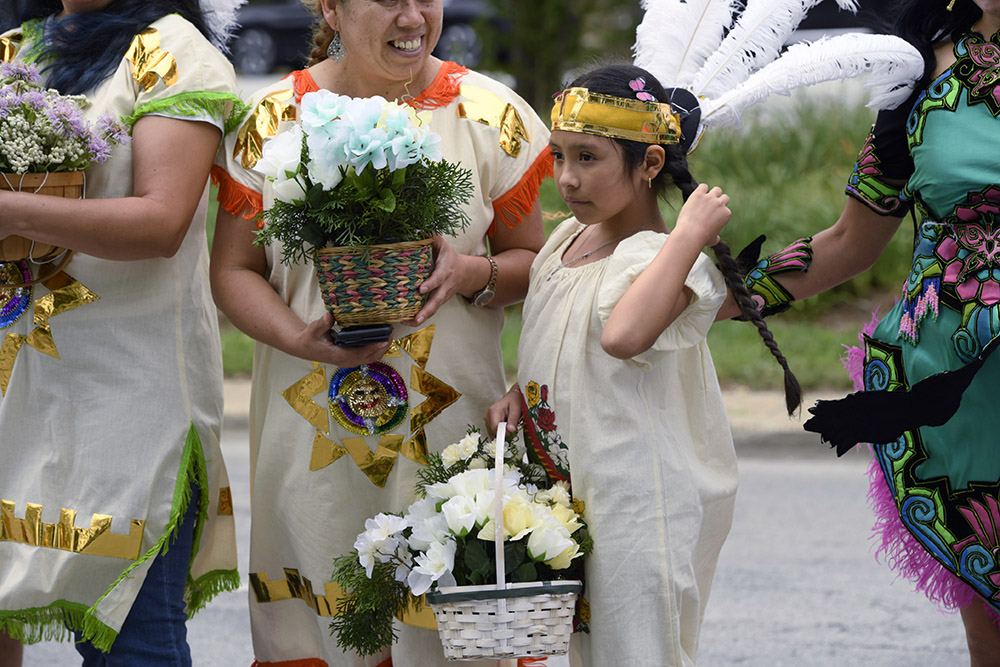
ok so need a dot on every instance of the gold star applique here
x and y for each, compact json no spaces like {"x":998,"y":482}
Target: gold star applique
{"x":384,"y":411}
{"x":65,"y":294}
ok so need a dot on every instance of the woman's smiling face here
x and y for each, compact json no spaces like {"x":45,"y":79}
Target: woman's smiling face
{"x":387,"y":41}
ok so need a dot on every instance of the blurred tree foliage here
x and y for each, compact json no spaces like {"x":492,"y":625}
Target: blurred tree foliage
{"x":541,"y":42}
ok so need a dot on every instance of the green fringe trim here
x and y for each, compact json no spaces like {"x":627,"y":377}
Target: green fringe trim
{"x":30,"y":626}
{"x":195,"y":104}
{"x":201,"y":591}
{"x":33,"y":32}
{"x":58,"y":620}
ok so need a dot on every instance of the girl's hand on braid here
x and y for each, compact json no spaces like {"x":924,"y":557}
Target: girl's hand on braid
{"x":704,"y":214}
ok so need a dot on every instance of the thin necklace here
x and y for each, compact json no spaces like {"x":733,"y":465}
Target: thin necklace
{"x":563,"y":265}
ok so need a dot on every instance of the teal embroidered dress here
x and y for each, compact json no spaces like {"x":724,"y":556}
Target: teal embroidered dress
{"x":936,"y":488}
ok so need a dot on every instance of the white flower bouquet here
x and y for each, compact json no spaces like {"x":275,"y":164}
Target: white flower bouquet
{"x":45,"y":144}
{"x":361,"y":187}
{"x":43,"y":131}
{"x":447,"y":539}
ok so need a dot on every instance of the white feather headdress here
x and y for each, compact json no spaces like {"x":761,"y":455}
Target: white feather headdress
{"x":730,"y":66}
{"x":220,"y":18}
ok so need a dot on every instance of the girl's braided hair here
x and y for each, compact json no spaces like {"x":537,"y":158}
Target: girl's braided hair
{"x":614,"y":80}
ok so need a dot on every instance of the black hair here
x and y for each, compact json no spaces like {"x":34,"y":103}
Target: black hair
{"x":923,"y":23}
{"x":82,"y":50}
{"x":614,"y":80}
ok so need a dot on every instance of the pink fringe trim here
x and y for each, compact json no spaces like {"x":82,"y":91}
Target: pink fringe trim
{"x":894,"y":544}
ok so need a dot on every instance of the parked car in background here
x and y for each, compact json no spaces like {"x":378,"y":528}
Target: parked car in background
{"x":278,"y":34}
{"x":827,"y":19}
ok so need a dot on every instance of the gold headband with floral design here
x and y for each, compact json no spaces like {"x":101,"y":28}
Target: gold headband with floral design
{"x":580,"y":110}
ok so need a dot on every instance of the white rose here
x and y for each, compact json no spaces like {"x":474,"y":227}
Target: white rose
{"x":438,"y":561}
{"x":281,"y":155}
{"x":548,"y":540}
{"x":427,"y":531}
{"x":290,"y":191}
{"x":451,"y":455}
{"x":460,"y":513}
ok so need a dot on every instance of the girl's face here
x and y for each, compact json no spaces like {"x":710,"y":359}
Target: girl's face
{"x":592,"y":177}
{"x":83,"y":6}
{"x":386,"y":40}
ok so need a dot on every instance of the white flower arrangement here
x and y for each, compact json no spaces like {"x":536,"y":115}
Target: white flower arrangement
{"x":447,"y":538}
{"x":359,"y":171}
{"x":42,"y":130}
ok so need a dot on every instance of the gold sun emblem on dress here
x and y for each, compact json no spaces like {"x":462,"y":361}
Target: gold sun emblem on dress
{"x":374,"y":401}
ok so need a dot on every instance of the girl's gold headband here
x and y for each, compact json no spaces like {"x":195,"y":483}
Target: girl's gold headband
{"x":580,"y":110}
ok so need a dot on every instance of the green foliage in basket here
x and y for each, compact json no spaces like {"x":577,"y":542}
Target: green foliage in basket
{"x":358,"y":172}
{"x":446,"y":538}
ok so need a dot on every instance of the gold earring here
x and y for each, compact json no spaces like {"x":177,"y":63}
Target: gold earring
{"x":951,"y":5}
{"x":649,"y":181}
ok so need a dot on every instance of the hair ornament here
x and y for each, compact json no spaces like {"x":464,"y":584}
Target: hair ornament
{"x":638,"y":84}
{"x":730,"y":55}
{"x":649,"y":122}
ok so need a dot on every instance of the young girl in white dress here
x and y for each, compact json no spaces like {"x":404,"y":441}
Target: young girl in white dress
{"x":615,"y":379}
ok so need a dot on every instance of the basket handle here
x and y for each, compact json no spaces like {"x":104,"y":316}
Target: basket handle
{"x":498,"y":509}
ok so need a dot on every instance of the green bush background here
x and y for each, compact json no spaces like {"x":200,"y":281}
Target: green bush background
{"x":785,"y":172}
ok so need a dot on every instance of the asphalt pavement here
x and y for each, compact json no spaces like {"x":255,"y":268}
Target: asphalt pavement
{"x":797,"y":583}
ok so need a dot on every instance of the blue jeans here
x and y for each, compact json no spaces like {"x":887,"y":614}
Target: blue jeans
{"x":154,"y":633}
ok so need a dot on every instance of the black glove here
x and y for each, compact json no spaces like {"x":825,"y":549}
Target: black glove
{"x":883,"y":416}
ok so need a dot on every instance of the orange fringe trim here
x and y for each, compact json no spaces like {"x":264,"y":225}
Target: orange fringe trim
{"x":236,"y":198}
{"x":443,"y":90}
{"x":303,"y":83}
{"x":513,"y":205}
{"x":308,"y":662}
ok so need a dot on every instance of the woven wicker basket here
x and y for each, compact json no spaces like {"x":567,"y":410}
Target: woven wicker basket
{"x":524,"y":620}
{"x":60,"y":184}
{"x":505,"y":620}
{"x":375,"y":284}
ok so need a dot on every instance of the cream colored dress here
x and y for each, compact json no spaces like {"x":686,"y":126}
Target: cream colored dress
{"x":111,"y":386}
{"x":648,"y":445}
{"x":315,"y":482}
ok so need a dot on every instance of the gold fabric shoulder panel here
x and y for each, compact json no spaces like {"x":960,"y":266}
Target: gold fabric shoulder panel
{"x":487,"y":108}
{"x":261,"y":124}
{"x":149,"y":61}
{"x":9,"y":46}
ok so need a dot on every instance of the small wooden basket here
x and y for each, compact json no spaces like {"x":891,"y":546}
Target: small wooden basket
{"x":68,"y":184}
{"x":375,"y":284}
{"x":504,"y":620}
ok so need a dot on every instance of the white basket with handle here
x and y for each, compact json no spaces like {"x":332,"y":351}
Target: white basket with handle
{"x":504,"y":620}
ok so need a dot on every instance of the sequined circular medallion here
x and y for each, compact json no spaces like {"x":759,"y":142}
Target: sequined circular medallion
{"x":14,"y":300}
{"x":368,"y":400}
